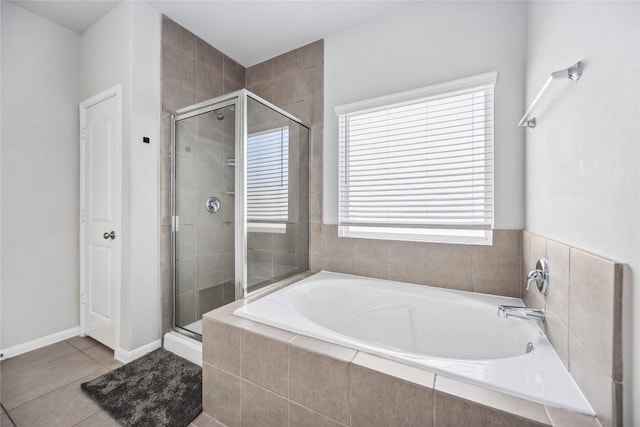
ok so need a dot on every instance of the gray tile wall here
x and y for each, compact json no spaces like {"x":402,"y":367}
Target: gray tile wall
{"x":488,"y":269}
{"x":584,"y":318}
{"x":194,"y":71}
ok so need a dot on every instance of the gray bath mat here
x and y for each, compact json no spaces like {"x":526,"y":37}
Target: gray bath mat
{"x":158,"y":389}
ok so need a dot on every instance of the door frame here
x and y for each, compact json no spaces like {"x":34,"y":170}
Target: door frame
{"x":112,"y":92}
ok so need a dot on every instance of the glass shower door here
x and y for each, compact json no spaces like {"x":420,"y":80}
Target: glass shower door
{"x":203,"y":207}
{"x":277,"y":195}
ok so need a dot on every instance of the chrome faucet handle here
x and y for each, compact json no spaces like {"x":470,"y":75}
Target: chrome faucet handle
{"x":540,"y":275}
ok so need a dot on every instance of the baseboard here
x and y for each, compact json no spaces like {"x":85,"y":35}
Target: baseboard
{"x":128,"y":356}
{"x":19,"y":349}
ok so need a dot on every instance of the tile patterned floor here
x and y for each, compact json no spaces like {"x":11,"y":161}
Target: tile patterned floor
{"x":42,"y":388}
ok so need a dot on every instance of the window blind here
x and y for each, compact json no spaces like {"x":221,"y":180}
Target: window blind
{"x":422,"y":163}
{"x":268,"y":176}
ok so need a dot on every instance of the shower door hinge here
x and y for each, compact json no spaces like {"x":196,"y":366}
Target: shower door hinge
{"x":175,"y":223}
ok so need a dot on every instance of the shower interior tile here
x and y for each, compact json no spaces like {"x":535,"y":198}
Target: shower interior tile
{"x":233,"y":70}
{"x":209,"y":83}
{"x":211,"y":130}
{"x":228,"y":230}
{"x":186,"y":206}
{"x":301,"y":241}
{"x":186,"y":308}
{"x":175,"y":97}
{"x":229,"y":85}
{"x":261,"y":241}
{"x":210,"y":150}
{"x":186,"y":137}
{"x":210,"y":298}
{"x":209,"y":263}
{"x":229,"y":266}
{"x":262,"y":265}
{"x":209,"y":279}
{"x":284,"y":64}
{"x":178,"y":37}
{"x":229,"y":291}
{"x":309,"y":84}
{"x":283,"y":259}
{"x":185,"y":272}
{"x":284,"y":242}
{"x":209,"y":174}
{"x":229,"y":209}
{"x":186,"y":173}
{"x":209,"y":242}
{"x":209,"y":56}
{"x":310,"y":55}
{"x":185,"y":242}
{"x":302,"y":262}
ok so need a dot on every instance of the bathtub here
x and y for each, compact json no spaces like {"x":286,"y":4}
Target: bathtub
{"x":452,"y":333}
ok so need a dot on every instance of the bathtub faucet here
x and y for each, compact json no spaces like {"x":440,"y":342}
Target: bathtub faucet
{"x":534,"y":314}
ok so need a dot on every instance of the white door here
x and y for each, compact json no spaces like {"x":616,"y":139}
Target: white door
{"x":100,"y":119}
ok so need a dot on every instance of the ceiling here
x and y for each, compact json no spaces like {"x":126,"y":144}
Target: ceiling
{"x":247,"y":31}
{"x":77,"y":16}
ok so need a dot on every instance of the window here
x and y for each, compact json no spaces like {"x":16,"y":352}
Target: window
{"x":268,"y":180}
{"x":419,"y":165}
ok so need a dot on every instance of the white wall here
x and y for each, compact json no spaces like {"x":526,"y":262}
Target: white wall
{"x":124,"y":47}
{"x":582,"y":160}
{"x":40,"y":151}
{"x":425,"y":44}
{"x":144,"y":201}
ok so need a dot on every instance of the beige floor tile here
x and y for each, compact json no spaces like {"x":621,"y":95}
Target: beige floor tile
{"x":65,"y":406}
{"x":27,"y":361}
{"x":5,"y":421}
{"x":102,"y":355}
{"x":44,"y":378}
{"x":82,"y":343}
{"x":101,"y":419}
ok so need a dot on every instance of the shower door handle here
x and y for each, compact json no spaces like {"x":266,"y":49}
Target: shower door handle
{"x":108,"y":236}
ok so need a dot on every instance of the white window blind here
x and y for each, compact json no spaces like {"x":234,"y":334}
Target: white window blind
{"x":419,"y":163}
{"x":268,"y":176}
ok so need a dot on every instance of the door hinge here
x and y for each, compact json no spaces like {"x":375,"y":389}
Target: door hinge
{"x":82,"y":301}
{"x":82,"y":217}
{"x":84,"y":133}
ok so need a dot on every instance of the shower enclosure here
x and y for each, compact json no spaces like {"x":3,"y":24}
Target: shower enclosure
{"x":240,"y":202}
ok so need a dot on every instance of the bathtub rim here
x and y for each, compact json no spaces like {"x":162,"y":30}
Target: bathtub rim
{"x":546,"y":347}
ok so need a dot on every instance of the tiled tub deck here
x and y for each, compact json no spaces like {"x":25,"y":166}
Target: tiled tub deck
{"x":258,"y":375}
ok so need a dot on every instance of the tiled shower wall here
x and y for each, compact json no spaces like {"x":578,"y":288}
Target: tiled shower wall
{"x":192,"y":71}
{"x":583,"y":319}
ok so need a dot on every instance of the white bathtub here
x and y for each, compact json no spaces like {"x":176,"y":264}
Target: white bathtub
{"x":452,"y":333}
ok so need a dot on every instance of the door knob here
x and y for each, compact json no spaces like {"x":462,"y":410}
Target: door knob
{"x":111,"y":235}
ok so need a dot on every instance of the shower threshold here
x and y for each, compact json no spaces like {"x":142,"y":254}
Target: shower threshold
{"x":183,"y":346}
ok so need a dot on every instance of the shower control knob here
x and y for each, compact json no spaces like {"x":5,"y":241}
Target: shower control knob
{"x":108,"y":236}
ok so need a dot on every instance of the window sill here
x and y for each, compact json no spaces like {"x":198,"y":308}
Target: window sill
{"x":486,"y":240}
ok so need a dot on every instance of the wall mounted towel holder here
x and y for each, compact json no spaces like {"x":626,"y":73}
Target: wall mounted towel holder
{"x":573,"y":73}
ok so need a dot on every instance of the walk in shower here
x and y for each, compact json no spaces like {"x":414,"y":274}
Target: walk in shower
{"x":240,"y":203}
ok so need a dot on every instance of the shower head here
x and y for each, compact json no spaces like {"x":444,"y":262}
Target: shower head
{"x":219,"y":115}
